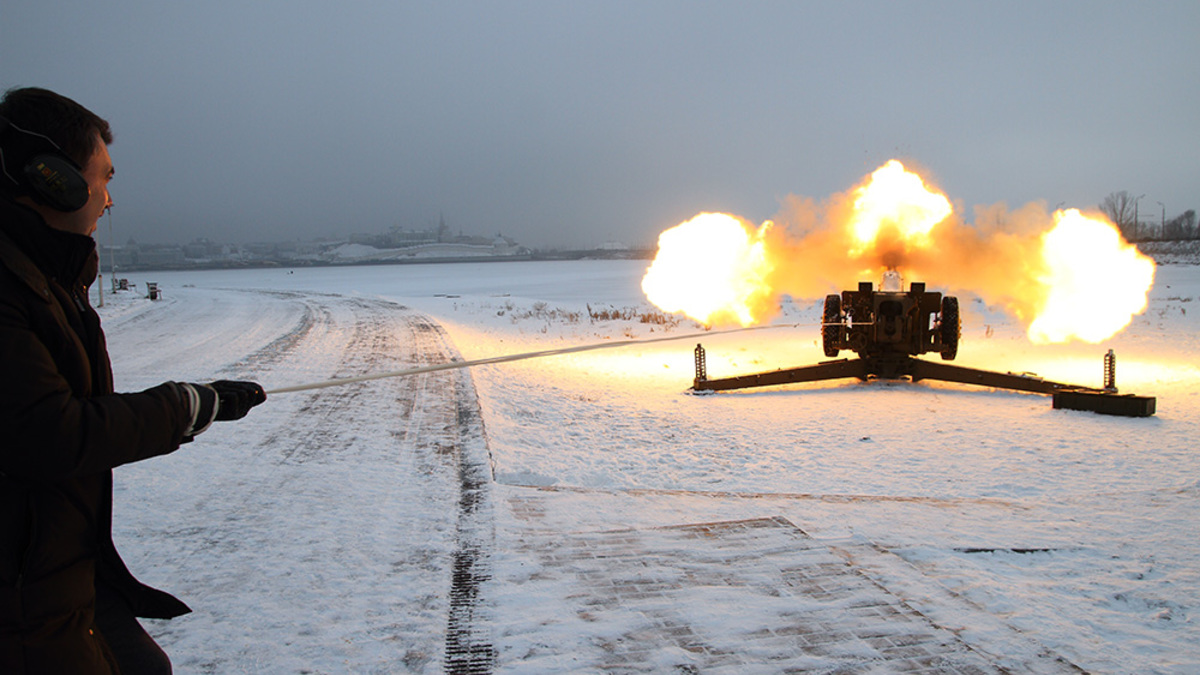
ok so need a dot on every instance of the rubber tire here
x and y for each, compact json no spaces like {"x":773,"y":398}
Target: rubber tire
{"x":832,"y":326}
{"x":950,"y":326}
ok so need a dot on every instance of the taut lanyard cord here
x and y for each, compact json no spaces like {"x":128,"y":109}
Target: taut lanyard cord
{"x":452,"y":365}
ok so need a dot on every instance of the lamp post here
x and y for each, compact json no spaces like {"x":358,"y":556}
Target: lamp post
{"x":100,"y":259}
{"x":112,"y":253}
{"x":1162,"y":225}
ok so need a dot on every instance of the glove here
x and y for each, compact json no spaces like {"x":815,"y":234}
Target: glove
{"x":222,"y":400}
{"x":236,"y":398}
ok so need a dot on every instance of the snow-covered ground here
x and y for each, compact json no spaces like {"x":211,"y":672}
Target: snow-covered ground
{"x":375,"y":526}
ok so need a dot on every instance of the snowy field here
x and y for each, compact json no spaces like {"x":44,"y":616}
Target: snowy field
{"x":394,"y":525}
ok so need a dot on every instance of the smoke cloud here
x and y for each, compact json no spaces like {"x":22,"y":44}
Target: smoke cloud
{"x":997,"y":258}
{"x":1059,"y":273}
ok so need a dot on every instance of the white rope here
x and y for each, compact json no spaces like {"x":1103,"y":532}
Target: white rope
{"x":452,"y":365}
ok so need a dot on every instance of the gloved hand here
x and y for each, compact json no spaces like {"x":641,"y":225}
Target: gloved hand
{"x":222,"y":400}
{"x":236,"y":398}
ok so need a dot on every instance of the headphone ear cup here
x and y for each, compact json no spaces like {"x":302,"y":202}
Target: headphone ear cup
{"x":55,"y":181}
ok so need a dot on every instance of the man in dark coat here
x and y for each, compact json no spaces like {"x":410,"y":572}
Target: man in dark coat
{"x":67,"y":601}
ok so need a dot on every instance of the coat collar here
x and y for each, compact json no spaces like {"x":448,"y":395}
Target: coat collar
{"x":73,"y":255}
{"x":12,"y":257}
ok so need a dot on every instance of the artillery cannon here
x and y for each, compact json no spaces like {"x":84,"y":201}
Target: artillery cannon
{"x":891,"y":321}
{"x":888,"y":328}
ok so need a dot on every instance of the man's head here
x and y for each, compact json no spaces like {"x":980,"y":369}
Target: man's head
{"x":80,"y":135}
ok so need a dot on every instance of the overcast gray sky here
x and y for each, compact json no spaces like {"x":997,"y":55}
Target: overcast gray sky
{"x":568,"y":123}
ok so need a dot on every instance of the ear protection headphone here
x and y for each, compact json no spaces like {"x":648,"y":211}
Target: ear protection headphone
{"x":37,"y":167}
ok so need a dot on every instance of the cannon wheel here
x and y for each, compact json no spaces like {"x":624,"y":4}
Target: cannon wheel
{"x":831,"y":325}
{"x":950,"y":326}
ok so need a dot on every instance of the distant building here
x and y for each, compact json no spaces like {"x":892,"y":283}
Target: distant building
{"x":396,"y":246}
{"x":201,"y":249}
{"x":159,"y":256}
{"x":118,"y":256}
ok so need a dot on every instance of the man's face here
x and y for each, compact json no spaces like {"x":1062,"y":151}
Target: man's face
{"x":97,"y":172}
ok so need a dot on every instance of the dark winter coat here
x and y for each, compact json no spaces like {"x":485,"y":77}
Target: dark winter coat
{"x":62,"y":430}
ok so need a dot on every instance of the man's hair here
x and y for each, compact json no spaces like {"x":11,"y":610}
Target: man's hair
{"x":72,"y":127}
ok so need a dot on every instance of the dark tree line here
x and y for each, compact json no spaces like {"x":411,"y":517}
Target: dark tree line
{"x":1122,"y":209}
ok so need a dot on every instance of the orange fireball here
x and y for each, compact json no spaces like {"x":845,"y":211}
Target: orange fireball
{"x":895,"y":208}
{"x":1094,"y":281}
{"x":712,"y":268}
{"x":1071,"y":276}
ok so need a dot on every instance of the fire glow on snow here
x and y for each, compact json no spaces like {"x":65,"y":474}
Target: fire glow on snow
{"x":1066,"y":275}
{"x":320,"y":533}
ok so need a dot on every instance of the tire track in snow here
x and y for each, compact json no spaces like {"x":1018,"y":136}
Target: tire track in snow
{"x":363,"y":509}
{"x":443,"y":424}
{"x":469,"y":647}
{"x":261,"y":359}
{"x":191,"y":335}
{"x":461,"y":441}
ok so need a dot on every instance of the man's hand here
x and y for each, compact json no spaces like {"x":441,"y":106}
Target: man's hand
{"x":236,"y":398}
{"x":222,"y":400}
